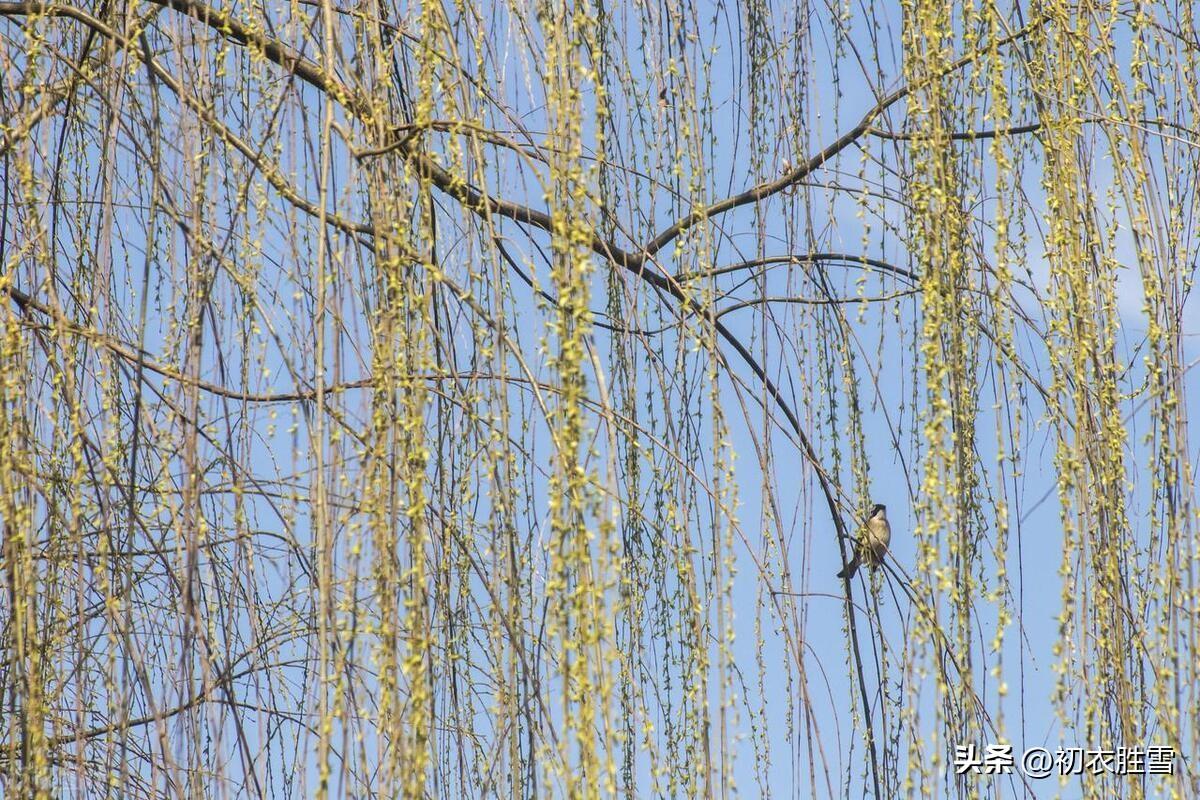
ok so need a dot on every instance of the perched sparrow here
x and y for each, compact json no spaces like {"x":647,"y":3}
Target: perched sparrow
{"x":873,"y":544}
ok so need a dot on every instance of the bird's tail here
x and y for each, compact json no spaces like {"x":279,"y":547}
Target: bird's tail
{"x":851,"y":568}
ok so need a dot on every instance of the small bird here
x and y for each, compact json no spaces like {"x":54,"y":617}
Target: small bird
{"x":873,"y":544}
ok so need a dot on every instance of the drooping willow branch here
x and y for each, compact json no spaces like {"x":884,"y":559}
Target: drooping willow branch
{"x":641,"y":261}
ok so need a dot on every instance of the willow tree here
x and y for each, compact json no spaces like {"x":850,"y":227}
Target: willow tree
{"x":443,"y":400}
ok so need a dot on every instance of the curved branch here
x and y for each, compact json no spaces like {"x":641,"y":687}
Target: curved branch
{"x":801,"y":258}
{"x":813,"y":301}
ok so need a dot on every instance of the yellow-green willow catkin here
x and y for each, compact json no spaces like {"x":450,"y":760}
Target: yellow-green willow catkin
{"x":507,"y":613}
{"x":412,"y":298}
{"x":385,"y":466}
{"x":1059,"y":183}
{"x":1157,"y":222}
{"x":67,"y":421}
{"x":381,"y":502}
{"x":625,"y":421}
{"x":327,"y":680}
{"x":580,"y":579}
{"x":998,"y":117}
{"x":718,"y":780}
{"x":1184,"y":628}
{"x":986,"y":498}
{"x":27,"y":762}
{"x":683,"y":613}
{"x":1084,"y":406}
{"x":54,"y":477}
{"x":947,"y":506}
{"x":29,"y":773}
{"x":708,"y":563}
{"x":460,"y":480}
{"x":1178,"y":631}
